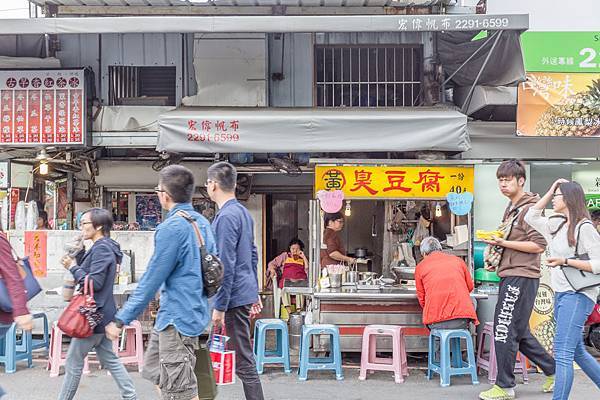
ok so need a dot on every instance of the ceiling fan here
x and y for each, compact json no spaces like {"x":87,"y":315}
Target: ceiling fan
{"x":285,"y":165}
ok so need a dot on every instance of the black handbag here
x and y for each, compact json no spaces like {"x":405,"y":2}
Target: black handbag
{"x":578,"y":279}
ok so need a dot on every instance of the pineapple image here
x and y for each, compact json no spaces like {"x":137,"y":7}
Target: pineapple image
{"x":575,"y":115}
{"x":544,"y":333}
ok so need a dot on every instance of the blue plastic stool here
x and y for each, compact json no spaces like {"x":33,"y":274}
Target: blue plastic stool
{"x":13,"y":350}
{"x":281,"y":354}
{"x":332,"y":362}
{"x":451,"y":361}
{"x":43,"y":343}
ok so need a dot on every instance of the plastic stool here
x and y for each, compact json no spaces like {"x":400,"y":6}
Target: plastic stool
{"x":13,"y":349}
{"x":133,"y":342}
{"x":56,"y":357}
{"x":45,"y":342}
{"x":489,"y":364}
{"x":369,"y":360}
{"x":451,"y":361}
{"x":281,"y":354}
{"x":332,"y":362}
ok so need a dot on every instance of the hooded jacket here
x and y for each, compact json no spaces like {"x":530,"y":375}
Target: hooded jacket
{"x":99,"y":263}
{"x":518,"y":263}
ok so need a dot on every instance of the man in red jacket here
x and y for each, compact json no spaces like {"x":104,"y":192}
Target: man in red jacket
{"x":16,"y":290}
{"x":444,"y":285}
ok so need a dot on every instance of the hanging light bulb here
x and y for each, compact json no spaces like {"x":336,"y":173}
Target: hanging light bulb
{"x":348,"y":210}
{"x":438,"y":210}
{"x":44,"y":167}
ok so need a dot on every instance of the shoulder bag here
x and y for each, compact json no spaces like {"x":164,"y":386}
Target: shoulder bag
{"x":32,"y":286}
{"x":211,"y":265}
{"x":80,"y":317}
{"x":578,"y":279}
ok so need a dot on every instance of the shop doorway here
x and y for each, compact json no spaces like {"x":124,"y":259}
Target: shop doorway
{"x":287,"y":218}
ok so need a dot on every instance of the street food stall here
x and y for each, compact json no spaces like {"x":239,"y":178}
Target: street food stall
{"x":396,"y":204}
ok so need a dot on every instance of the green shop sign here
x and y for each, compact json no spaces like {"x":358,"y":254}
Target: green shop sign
{"x":592,"y":201}
{"x":561,"y":51}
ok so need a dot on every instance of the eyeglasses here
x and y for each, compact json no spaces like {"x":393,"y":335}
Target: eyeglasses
{"x":84,"y":223}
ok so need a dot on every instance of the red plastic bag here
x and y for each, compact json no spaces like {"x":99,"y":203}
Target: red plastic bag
{"x":223,"y":360}
{"x":73,"y":322}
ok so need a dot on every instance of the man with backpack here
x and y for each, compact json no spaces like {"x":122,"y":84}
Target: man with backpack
{"x":176,"y":269}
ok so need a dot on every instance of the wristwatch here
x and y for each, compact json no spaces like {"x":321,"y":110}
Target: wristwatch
{"x":119,"y":323}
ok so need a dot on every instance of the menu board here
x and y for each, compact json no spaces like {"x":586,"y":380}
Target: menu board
{"x":42,"y":107}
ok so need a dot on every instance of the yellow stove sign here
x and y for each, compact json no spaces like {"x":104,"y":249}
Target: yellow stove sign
{"x":418,"y":182}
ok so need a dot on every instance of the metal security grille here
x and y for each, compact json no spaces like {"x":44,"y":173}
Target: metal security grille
{"x":129,"y":85}
{"x":368,"y":76}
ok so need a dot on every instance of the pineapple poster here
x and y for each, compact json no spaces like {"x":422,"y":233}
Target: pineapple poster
{"x":559,"y":104}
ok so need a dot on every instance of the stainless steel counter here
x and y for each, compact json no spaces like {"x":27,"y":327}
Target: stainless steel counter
{"x":385,"y":294}
{"x":352,"y":309}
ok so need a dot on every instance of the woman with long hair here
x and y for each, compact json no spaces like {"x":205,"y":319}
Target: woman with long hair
{"x":99,"y":265}
{"x":568,"y":233}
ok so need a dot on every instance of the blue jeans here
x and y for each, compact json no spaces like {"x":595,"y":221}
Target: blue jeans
{"x":571,"y":310}
{"x":78,"y":350}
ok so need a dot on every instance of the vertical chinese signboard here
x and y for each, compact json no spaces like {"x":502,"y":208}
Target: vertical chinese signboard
{"x":418,"y":182}
{"x":42,"y":107}
{"x":36,"y":248}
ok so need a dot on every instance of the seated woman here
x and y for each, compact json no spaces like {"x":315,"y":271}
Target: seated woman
{"x":293,"y":265}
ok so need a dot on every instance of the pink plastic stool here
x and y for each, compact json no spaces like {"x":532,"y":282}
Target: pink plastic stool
{"x":369,"y":360}
{"x":489,"y":364}
{"x":133,"y":353}
{"x":56,"y":357}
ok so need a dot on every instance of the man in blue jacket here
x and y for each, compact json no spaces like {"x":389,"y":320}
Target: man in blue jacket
{"x":175,"y":268}
{"x":238,"y":294}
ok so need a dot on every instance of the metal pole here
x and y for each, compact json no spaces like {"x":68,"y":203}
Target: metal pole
{"x":470,"y":58}
{"x":487,"y":58}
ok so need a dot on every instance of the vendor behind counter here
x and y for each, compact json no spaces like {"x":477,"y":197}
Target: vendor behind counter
{"x":335,"y":251}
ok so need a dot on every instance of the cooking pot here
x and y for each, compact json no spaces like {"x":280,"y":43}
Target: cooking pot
{"x":351,"y":276}
{"x":360,"y":252}
{"x":404,"y":273}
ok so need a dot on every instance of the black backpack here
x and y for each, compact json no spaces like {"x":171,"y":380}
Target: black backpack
{"x":212,"y":266}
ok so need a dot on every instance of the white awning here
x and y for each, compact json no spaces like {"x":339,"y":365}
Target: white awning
{"x":309,"y":130}
{"x":251,"y":24}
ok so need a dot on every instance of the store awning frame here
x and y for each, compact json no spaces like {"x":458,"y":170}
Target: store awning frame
{"x":312,"y":130}
{"x":266,"y":24}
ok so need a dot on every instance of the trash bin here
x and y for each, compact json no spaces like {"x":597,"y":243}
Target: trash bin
{"x":296,"y":322}
{"x":486,"y":307}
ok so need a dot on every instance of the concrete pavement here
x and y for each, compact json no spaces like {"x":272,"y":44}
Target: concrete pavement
{"x":35,"y":384}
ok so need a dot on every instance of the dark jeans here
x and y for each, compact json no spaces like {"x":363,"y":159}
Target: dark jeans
{"x":511,"y":329}
{"x":237,"y":323}
{"x":457,"y":323}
